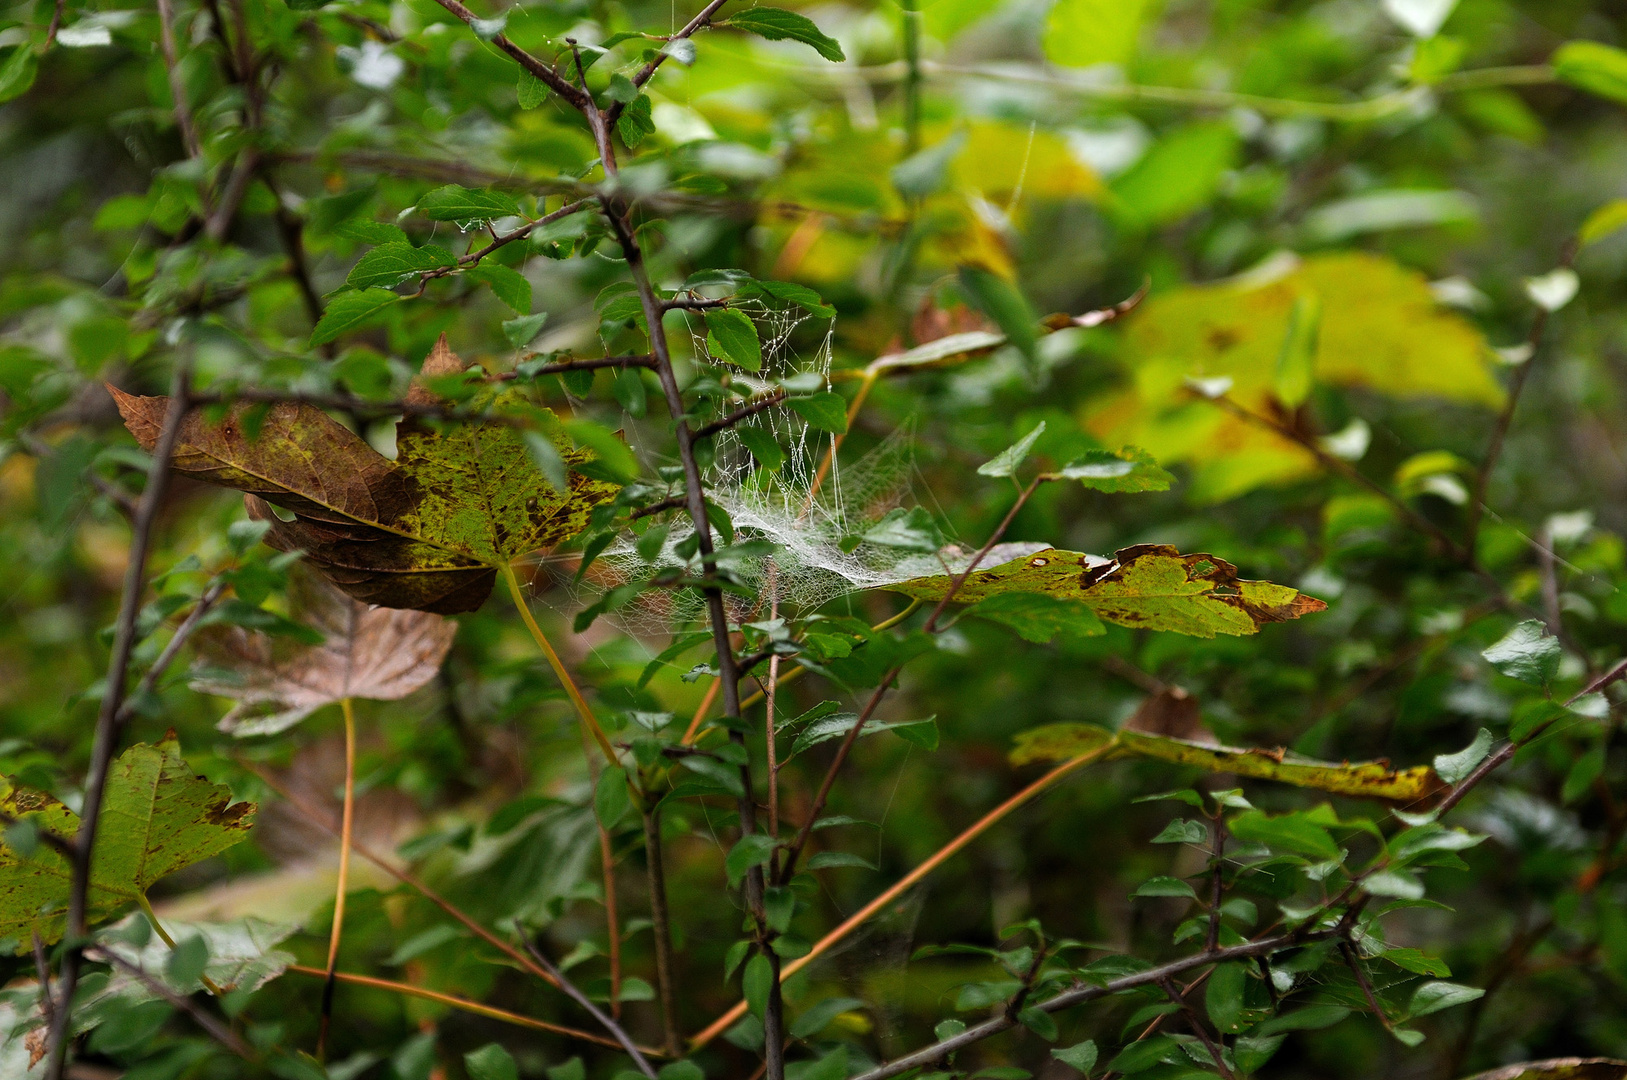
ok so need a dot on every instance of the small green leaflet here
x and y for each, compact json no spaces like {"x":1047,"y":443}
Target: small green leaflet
{"x":17,"y":72}
{"x":777,"y":24}
{"x":1456,"y":767}
{"x":490,"y":1062}
{"x":791,"y":293}
{"x":635,"y":124}
{"x":1080,"y":1056}
{"x":531,"y":90}
{"x":156,"y":818}
{"x":467,"y":205}
{"x":906,"y":530}
{"x":826,"y":411}
{"x":1527,"y":653}
{"x":508,"y":284}
{"x":1592,"y":66}
{"x":1006,"y":463}
{"x":1125,"y":471}
{"x":750,"y":850}
{"x":524,"y":330}
{"x":391,"y":264}
{"x":731,"y":337}
{"x":1000,"y":300}
{"x":348,"y":311}
{"x":1296,"y":361}
{"x":763,"y":446}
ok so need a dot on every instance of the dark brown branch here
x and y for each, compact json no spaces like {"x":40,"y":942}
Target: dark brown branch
{"x":508,"y":238}
{"x":1080,"y":995}
{"x":610,"y":1025}
{"x":767,"y":401}
{"x":647,"y":72}
{"x":1505,"y":419}
{"x":544,"y":73}
{"x":108,"y":724}
{"x":655,"y":867}
{"x":671,"y":502}
{"x":1195,"y":1022}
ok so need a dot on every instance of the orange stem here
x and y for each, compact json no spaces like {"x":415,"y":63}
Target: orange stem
{"x":858,"y":918}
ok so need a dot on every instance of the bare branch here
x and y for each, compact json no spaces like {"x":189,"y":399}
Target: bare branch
{"x":211,"y":1025}
{"x":615,"y":1029}
{"x":544,"y":73}
{"x":767,"y":401}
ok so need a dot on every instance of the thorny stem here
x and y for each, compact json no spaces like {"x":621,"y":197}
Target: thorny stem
{"x":904,"y":884}
{"x":464,"y":1004}
{"x":662,"y":929}
{"x":589,"y":721}
{"x":610,"y":1025}
{"x":346,"y":826}
{"x":108,"y":723}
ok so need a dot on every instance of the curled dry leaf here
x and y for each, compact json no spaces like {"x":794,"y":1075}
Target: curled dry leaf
{"x":425,"y":531}
{"x":368,"y":652}
{"x":1362,"y":779}
{"x":1151,"y":586}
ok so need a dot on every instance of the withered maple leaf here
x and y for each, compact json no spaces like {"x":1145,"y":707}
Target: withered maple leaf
{"x":425,"y":531}
{"x":367,"y":652}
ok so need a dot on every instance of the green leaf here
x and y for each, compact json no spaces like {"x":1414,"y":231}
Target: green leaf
{"x":1001,"y":301}
{"x":467,"y":206}
{"x":827,"y":859}
{"x":792,"y":293}
{"x":1604,"y":222}
{"x":1165,"y":886}
{"x":1453,"y":768}
{"x":755,"y":982}
{"x":777,"y":24}
{"x":824,"y":411}
{"x":17,"y":72}
{"x":1007,"y":461}
{"x":1149,"y":586}
{"x":906,"y":530}
{"x":926,"y":172}
{"x":157,"y":818}
{"x":1080,"y":33}
{"x":1592,"y":66}
{"x":750,"y":850}
{"x":922,"y":733}
{"x":1296,"y":361}
{"x":1126,"y":470}
{"x":1296,"y":833}
{"x":1080,"y":1056}
{"x":611,"y":800}
{"x":530,"y":90}
{"x":1417,"y":962}
{"x":524,"y":330}
{"x":1432,"y":997}
{"x":391,"y":264}
{"x":509,"y":285}
{"x":608,"y":448}
{"x":348,"y":311}
{"x":731,"y":337}
{"x":1183,"y":832}
{"x":1223,"y":997}
{"x":490,"y":1062}
{"x":636,"y":122}
{"x":1528,"y":653}
{"x":817,"y":1017}
{"x":1038,"y":618}
{"x":1178,"y":176}
{"x":763,"y":446}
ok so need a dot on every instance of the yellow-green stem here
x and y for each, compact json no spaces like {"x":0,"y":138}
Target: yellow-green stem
{"x":346,"y":825}
{"x":582,"y":709}
{"x":163,"y":935}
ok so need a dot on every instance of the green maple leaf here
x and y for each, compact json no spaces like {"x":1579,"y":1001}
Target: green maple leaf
{"x":1151,"y":586}
{"x":157,"y":817}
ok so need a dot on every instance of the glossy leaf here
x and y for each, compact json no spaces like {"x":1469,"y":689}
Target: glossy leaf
{"x":777,"y":24}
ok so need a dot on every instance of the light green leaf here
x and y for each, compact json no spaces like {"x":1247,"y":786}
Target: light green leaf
{"x":530,"y":90}
{"x":636,"y":122}
{"x":1527,"y":653}
{"x":1434,"y":996}
{"x":1603,"y":222}
{"x":391,"y":264}
{"x":1127,"y":470}
{"x":1165,"y":886}
{"x":490,"y":1062}
{"x":467,"y":206}
{"x":824,"y":411}
{"x":763,"y":446}
{"x":828,"y":859}
{"x":1080,"y":33}
{"x":1592,"y":66}
{"x":731,"y":337}
{"x":1007,"y":461}
{"x":1454,"y":767}
{"x":524,"y":330}
{"x":750,"y":850}
{"x":1296,"y":362}
{"x":17,"y":72}
{"x":906,"y":530}
{"x":348,"y":311}
{"x":1038,"y":618}
{"x":777,"y":24}
{"x":509,"y":285}
{"x":1080,"y":1056}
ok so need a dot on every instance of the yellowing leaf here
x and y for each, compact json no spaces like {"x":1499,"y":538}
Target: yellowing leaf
{"x":367,"y":652}
{"x":156,"y":818}
{"x":1380,"y":329}
{"x":424,"y":531}
{"x":1367,"y":779}
{"x":1151,"y":586}
{"x":1001,"y":158}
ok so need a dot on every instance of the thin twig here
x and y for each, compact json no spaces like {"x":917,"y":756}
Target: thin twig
{"x":172,"y":648}
{"x":108,"y":725}
{"x":661,"y":918}
{"x":647,"y":72}
{"x":745,"y":412}
{"x":1195,"y":1022}
{"x":464,"y":1004}
{"x":215,"y":1029}
{"x":610,"y":1025}
{"x":341,"y":888}
{"x":544,"y":73}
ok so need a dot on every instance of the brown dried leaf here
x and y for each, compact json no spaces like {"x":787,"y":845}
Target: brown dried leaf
{"x":369,"y":652}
